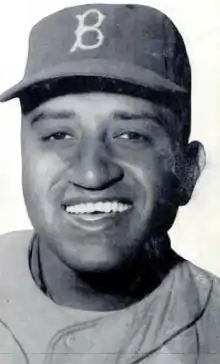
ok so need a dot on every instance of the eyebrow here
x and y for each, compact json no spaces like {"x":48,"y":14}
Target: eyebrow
{"x":44,"y":115}
{"x":124,"y":115}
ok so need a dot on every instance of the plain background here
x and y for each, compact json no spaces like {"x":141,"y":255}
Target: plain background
{"x":196,"y":232}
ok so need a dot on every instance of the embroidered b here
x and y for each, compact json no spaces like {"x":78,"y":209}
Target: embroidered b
{"x":83,"y":28}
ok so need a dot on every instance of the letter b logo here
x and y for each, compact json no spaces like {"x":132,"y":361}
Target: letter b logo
{"x":83,"y":28}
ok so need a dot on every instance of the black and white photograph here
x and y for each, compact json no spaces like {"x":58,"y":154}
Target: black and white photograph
{"x":109,"y":182}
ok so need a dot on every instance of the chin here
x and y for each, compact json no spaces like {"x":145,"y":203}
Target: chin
{"x":94,"y":264}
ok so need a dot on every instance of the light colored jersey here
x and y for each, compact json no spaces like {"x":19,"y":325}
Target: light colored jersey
{"x":179,"y":323}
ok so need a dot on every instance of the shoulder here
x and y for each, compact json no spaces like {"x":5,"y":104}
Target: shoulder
{"x":205,"y":281}
{"x":16,"y":236}
{"x":203,"y":276}
{"x":17,"y":239}
{"x":14,"y":242}
{"x":208,"y":324}
{"x":14,"y":248}
{"x":202,"y":286}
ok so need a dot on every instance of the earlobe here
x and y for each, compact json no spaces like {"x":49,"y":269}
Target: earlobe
{"x":195,"y":160}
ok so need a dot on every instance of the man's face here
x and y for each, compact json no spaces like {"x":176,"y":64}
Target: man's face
{"x":98,"y":176}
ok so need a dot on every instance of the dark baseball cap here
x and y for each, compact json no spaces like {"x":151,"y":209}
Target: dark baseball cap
{"x":132,"y":43}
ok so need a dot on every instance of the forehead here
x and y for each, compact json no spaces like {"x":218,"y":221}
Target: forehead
{"x":99,"y":103}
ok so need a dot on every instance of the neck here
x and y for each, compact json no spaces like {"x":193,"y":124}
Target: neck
{"x":103,"y":291}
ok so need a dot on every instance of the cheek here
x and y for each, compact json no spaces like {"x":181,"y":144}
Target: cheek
{"x":148,"y":163}
{"x":151,"y":179}
{"x":40,"y":171}
{"x":148,"y":170}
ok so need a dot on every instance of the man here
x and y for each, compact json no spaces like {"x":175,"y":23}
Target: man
{"x":106,"y":160}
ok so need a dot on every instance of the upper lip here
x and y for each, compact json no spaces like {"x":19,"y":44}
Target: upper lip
{"x":94,"y":199}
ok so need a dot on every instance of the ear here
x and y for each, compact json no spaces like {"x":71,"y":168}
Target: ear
{"x":194,"y":163}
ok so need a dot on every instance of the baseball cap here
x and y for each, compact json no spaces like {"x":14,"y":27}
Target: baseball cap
{"x":132,"y":43}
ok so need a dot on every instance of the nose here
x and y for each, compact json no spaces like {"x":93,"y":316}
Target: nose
{"x":95,"y":169}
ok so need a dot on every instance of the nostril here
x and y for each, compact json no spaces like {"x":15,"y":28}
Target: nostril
{"x":96,"y":176}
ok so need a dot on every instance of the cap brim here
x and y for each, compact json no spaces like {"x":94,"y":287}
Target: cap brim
{"x":96,"y":67}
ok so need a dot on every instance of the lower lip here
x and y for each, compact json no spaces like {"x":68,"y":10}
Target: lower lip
{"x":93,"y":217}
{"x":96,"y":221}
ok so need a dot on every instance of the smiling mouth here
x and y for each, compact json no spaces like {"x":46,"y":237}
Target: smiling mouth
{"x":95,"y":211}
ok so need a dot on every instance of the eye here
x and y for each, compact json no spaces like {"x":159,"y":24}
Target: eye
{"x":60,"y":135}
{"x":132,"y":135}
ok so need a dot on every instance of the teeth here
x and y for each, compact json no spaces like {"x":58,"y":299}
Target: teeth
{"x":103,"y":207}
{"x":114,"y":206}
{"x":89,"y":207}
{"x":108,"y":207}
